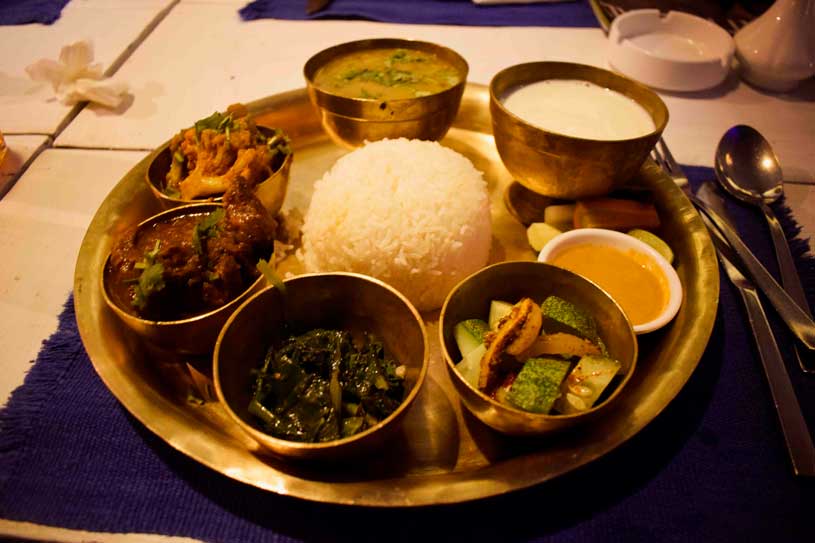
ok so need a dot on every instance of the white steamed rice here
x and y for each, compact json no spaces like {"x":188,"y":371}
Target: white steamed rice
{"x":411,"y":213}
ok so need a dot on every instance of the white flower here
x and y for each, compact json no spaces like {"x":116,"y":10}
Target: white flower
{"x":74,"y":79}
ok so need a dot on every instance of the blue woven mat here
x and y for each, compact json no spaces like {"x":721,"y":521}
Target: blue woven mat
{"x":711,"y":467}
{"x":18,"y":12}
{"x":451,"y":12}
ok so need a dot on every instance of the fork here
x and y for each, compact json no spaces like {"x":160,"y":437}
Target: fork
{"x":665,"y":160}
{"x":793,"y":425}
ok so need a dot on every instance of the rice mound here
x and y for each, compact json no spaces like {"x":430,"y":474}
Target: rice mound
{"x":411,"y":213}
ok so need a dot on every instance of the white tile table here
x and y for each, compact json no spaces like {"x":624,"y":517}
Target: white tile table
{"x":265,"y":57}
{"x":21,"y":149}
{"x":42,"y":222}
{"x":235,"y":61}
{"x":27,"y":107}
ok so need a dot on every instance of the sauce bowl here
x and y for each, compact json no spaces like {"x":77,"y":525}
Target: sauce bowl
{"x":345,"y":301}
{"x":510,"y":281}
{"x":623,"y":242}
{"x":353,"y":121}
{"x":562,"y":166}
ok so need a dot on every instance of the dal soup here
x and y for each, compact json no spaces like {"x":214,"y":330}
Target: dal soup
{"x":387,"y":74}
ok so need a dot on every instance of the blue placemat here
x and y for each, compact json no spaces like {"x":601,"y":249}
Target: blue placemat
{"x":18,"y":12}
{"x":711,"y":467}
{"x":450,"y":12}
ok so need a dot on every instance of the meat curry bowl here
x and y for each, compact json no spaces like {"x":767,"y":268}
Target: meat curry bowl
{"x":175,"y":277}
{"x":533,"y":349}
{"x":325,"y":368}
{"x":386,"y":88}
{"x":200,"y":162}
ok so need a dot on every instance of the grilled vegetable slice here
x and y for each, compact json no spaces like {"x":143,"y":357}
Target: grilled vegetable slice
{"x":561,"y":344}
{"x":514,"y":334}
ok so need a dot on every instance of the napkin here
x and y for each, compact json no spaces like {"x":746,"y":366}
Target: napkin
{"x":74,"y":79}
{"x":18,"y":12}
{"x":448,"y":12}
{"x":711,"y":467}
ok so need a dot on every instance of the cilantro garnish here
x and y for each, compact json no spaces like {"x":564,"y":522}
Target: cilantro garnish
{"x":206,"y":228}
{"x":219,"y":122}
{"x":271,"y":276}
{"x":151,"y":279}
{"x":172,"y":192}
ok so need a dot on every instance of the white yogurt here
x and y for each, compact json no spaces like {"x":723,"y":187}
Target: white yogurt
{"x":580,"y":109}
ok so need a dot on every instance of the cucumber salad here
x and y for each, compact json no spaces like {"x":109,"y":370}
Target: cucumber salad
{"x":544,"y":358}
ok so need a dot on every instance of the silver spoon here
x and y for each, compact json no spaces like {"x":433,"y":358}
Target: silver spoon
{"x":747,"y":168}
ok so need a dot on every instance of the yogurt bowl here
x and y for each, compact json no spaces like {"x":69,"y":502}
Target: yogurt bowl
{"x":545,"y":158}
{"x":641,"y":280}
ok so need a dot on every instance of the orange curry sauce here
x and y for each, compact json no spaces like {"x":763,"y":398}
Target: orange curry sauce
{"x":631,"y":278}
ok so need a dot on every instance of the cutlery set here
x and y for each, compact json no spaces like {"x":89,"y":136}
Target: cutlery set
{"x":739,"y":263}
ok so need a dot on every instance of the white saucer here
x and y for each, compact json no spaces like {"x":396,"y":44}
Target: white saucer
{"x":676,"y":51}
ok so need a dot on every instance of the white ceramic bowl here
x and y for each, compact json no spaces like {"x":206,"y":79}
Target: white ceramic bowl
{"x":612,"y":238}
{"x":676,"y":52}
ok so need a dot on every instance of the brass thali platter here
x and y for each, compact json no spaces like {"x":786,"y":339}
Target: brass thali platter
{"x":443,"y":454}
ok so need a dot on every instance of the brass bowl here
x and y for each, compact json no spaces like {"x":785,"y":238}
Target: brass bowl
{"x":510,"y":281}
{"x":353,"y":121}
{"x":193,"y":335}
{"x":271,"y":191}
{"x":560,"y":166}
{"x":345,"y":301}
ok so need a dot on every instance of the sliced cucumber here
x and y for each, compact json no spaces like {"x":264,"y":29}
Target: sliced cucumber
{"x":470,"y":366}
{"x":537,"y":385}
{"x":469,"y":334}
{"x":498,"y":310}
{"x":586,"y":382}
{"x":562,"y":316}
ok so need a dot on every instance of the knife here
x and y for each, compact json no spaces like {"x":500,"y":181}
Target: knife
{"x":313,"y":6}
{"x":796,"y":434}
{"x":798,"y":321}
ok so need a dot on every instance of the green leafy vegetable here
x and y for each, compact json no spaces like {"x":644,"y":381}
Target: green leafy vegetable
{"x":320,"y":386}
{"x":151,"y":279}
